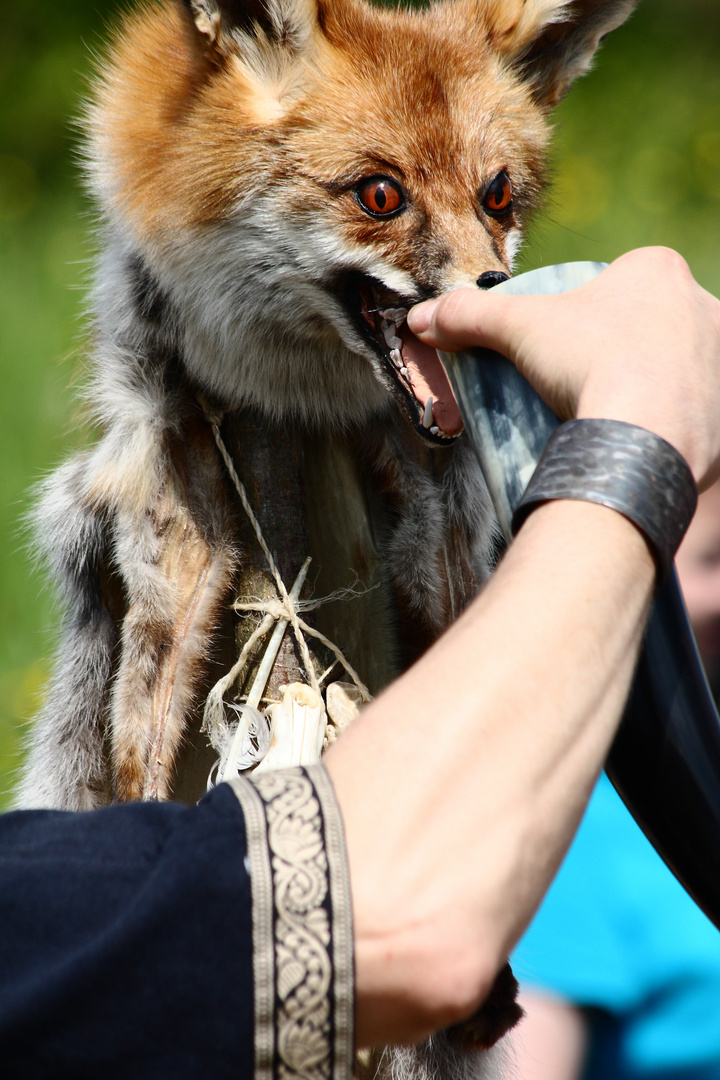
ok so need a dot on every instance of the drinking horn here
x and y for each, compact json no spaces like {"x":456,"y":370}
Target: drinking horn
{"x":665,"y":760}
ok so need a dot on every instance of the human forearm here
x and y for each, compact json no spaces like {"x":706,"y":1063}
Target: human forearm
{"x":538,"y":676}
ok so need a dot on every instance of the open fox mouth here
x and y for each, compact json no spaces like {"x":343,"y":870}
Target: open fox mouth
{"x":415,"y":368}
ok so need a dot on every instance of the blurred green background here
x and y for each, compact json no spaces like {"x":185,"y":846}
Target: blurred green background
{"x":636,"y":161}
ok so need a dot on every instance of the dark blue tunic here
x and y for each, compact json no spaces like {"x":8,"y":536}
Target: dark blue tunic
{"x":129,"y":942}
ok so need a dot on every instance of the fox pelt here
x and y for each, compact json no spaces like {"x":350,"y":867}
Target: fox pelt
{"x":278,"y":181}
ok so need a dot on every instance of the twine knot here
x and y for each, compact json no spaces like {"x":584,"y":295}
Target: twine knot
{"x":278,"y":612}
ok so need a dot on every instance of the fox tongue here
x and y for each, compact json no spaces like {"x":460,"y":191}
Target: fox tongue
{"x":428,"y":379}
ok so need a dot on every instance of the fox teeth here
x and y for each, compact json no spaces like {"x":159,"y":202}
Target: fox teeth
{"x":428,"y":414}
{"x":396,"y":357}
{"x":404,"y":371}
{"x":391,"y":339}
{"x":394,"y":315}
{"x":388,"y":332}
{"x":434,"y":430}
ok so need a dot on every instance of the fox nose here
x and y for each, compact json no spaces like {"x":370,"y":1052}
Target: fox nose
{"x":491,"y":278}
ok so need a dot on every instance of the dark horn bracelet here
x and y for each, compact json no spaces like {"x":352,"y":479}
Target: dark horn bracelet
{"x":621,"y":466}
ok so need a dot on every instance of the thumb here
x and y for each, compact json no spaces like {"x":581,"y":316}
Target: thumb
{"x":521,"y":328}
{"x":465,"y":318}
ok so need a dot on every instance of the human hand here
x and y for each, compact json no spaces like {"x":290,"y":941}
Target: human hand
{"x":639,"y":343}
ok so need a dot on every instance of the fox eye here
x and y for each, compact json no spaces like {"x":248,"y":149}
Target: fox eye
{"x":498,"y":199}
{"x":380,"y":196}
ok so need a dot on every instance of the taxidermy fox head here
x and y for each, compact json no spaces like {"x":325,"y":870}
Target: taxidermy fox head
{"x":282,"y":178}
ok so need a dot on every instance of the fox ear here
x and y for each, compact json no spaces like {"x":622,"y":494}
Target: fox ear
{"x":552,"y":42}
{"x":286,"y":21}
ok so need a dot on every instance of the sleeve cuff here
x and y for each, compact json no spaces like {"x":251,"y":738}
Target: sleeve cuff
{"x":302,"y":925}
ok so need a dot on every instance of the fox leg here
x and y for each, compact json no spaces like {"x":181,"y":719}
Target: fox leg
{"x":65,"y":767}
{"x":177,"y":575}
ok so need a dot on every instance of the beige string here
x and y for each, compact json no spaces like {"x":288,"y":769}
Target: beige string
{"x":272,"y":609}
{"x":279,"y":610}
{"x":213,"y":715}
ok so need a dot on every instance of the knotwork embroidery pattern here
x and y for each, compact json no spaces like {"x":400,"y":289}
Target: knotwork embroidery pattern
{"x":309,"y":989}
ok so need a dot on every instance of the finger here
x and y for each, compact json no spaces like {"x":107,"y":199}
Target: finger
{"x":466,"y":318}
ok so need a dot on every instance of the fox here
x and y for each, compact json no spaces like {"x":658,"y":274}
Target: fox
{"x":277,"y":182}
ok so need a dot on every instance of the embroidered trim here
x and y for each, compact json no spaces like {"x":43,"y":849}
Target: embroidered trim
{"x":258,"y":863}
{"x":302,"y":926}
{"x":342,"y":928}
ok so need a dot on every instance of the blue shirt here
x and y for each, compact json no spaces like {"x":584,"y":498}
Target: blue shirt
{"x":618,"y":934}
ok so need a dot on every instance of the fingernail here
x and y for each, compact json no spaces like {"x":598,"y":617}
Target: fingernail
{"x":420,"y":316}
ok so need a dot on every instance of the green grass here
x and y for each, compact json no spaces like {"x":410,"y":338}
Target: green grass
{"x":637,"y":161}
{"x":637,"y":149}
{"x":41,"y":270}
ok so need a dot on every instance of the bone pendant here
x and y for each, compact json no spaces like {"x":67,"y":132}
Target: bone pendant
{"x":297,"y":729}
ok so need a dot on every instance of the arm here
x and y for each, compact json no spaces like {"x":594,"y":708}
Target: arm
{"x":461,"y":787}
